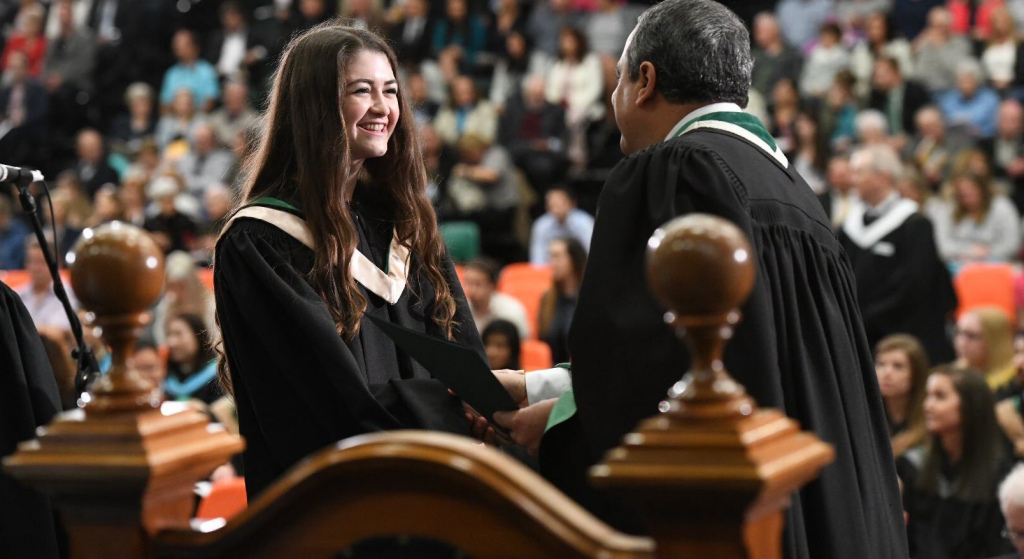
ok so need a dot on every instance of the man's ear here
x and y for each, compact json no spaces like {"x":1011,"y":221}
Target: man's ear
{"x":647,"y":83}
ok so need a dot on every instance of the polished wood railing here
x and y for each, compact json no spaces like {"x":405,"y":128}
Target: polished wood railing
{"x":712,"y":473}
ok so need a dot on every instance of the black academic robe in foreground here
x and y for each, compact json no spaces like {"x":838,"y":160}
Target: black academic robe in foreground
{"x":800,"y":346}
{"x":28,"y":399}
{"x":299,"y":386}
{"x":902,"y":285}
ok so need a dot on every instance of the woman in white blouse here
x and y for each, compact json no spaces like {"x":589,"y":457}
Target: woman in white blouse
{"x":979,"y":224}
{"x":1000,"y":56}
{"x":576,"y":83}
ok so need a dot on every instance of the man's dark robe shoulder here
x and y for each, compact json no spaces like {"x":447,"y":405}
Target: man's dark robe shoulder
{"x":800,"y":347}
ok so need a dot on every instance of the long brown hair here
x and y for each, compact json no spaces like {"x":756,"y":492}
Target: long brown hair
{"x":917,"y":357}
{"x":985,"y":189}
{"x":304,"y":150}
{"x":983,"y":446}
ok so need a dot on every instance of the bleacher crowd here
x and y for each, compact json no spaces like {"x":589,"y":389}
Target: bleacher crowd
{"x":906,"y":117}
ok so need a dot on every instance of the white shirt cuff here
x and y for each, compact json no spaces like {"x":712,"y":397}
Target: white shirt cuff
{"x":546,"y":384}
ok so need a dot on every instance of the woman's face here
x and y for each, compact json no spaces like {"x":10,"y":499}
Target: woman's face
{"x":970,"y":341}
{"x":369,"y":105}
{"x":141,"y":107}
{"x":894,"y":373}
{"x":941,"y":405}
{"x":499,"y":352}
{"x":877,"y":28}
{"x":968,"y":193}
{"x":806,"y":128}
{"x":569,"y":47}
{"x":558,"y":258}
{"x":182,"y":345}
{"x":516,"y":45}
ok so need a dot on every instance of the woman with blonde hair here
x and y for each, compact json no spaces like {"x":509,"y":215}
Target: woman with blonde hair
{"x":984,"y":341}
{"x":901,"y":364}
{"x":977,"y":224}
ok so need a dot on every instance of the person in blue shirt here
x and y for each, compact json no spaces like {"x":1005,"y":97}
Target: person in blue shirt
{"x":191,"y":72}
{"x":12,"y":238}
{"x":969,"y":105}
{"x":562,"y":220}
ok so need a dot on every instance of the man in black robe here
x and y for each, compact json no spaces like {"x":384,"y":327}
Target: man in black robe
{"x":28,"y":399}
{"x":902,"y":285}
{"x":800,"y":347}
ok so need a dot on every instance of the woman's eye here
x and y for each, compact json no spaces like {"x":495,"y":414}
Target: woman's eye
{"x":392,"y":91}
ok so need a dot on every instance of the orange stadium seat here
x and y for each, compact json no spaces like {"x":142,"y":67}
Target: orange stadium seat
{"x":226,"y":499}
{"x":527,"y":283}
{"x":535,"y":354}
{"x":17,"y":278}
{"x":980,"y":285}
{"x":206,"y":277}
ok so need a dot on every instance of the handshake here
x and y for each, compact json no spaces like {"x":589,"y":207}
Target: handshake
{"x":525,"y":425}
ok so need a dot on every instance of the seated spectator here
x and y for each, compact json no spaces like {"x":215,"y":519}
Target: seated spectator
{"x":872,"y":128}
{"x":902,"y":368}
{"x":931,"y":149}
{"x":459,"y":39}
{"x":984,"y":341}
{"x":148,"y":163}
{"x":519,"y":65}
{"x":502,"y":344}
{"x":826,"y":59}
{"x":190,"y":72}
{"x":784,"y":108}
{"x":191,"y":361}
{"x":810,"y":151}
{"x":773,"y":58}
{"x":68,"y":230}
{"x":1011,"y":504}
{"x":979,"y":225}
{"x":413,"y":37}
{"x":309,"y":14}
{"x":13,"y":233}
{"x":801,"y":20}
{"x":533,"y":131}
{"x":217,"y":204}
{"x":897,"y":98}
{"x":185,"y":294}
{"x":608,"y":27}
{"x":423,"y":107}
{"x":837,"y":114}
{"x":70,"y":193}
{"x":576,"y":82}
{"x":132,"y":196}
{"x":28,"y":40}
{"x":106,"y":207}
{"x":937,"y":52}
{"x":971,"y":106}
{"x":178,"y":126}
{"x":172,"y":230}
{"x":128,"y":130}
{"x":1003,"y":53}
{"x":92,"y":167}
{"x":484,"y":178}
{"x":950,"y":482}
{"x":43,"y":306}
{"x":207,"y":163}
{"x":561,"y":220}
{"x":1005,"y":151}
{"x":235,"y":113}
{"x":466,"y":114}
{"x":234,"y":45}
{"x":880,"y":41}
{"x":146,"y":360}
{"x":546,"y":19}
{"x":24,"y":111}
{"x":480,"y":280}
{"x":1010,"y":400}
{"x":509,"y":17}
{"x":68,"y":69}
{"x":840,"y":193}
{"x":439,"y":159}
{"x":911,"y":185}
{"x":361,"y":14}
{"x":568,"y":259}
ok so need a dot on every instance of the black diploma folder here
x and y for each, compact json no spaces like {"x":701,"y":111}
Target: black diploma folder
{"x":457,"y":366}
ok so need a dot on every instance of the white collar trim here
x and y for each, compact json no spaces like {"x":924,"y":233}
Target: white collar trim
{"x":705,"y":110}
{"x":389,"y":286}
{"x":867,"y":237}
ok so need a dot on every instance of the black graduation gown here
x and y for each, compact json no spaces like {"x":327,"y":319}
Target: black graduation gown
{"x":299,"y":386}
{"x":28,"y":399}
{"x":906,"y":289}
{"x":800,"y":347}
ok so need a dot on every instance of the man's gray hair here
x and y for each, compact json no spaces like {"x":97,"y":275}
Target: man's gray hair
{"x":878,"y":157}
{"x":1011,"y":490}
{"x":699,"y":48}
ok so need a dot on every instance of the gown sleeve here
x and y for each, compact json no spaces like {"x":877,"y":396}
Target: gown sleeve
{"x":293,"y":375}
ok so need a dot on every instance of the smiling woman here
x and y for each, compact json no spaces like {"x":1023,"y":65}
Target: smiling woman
{"x":335,"y":224}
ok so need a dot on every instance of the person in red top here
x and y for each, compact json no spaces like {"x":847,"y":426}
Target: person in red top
{"x":29,"y":39}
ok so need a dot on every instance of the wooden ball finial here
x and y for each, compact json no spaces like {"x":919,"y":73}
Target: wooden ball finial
{"x":701,"y":268}
{"x":117,"y":272}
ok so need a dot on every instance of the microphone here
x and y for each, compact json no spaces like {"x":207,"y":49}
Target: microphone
{"x":18,"y":175}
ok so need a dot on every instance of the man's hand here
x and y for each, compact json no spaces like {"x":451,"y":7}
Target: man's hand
{"x":527,"y":425}
{"x":482,"y":429}
{"x":515,"y":383}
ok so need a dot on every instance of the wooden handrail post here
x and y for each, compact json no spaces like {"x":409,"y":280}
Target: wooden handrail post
{"x":712,"y":473}
{"x":123,"y":467}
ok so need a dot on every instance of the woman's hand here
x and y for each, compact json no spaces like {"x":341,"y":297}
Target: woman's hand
{"x":527,"y":425}
{"x":482,"y":429}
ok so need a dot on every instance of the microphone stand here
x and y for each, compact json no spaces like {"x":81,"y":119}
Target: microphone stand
{"x":87,"y":366}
